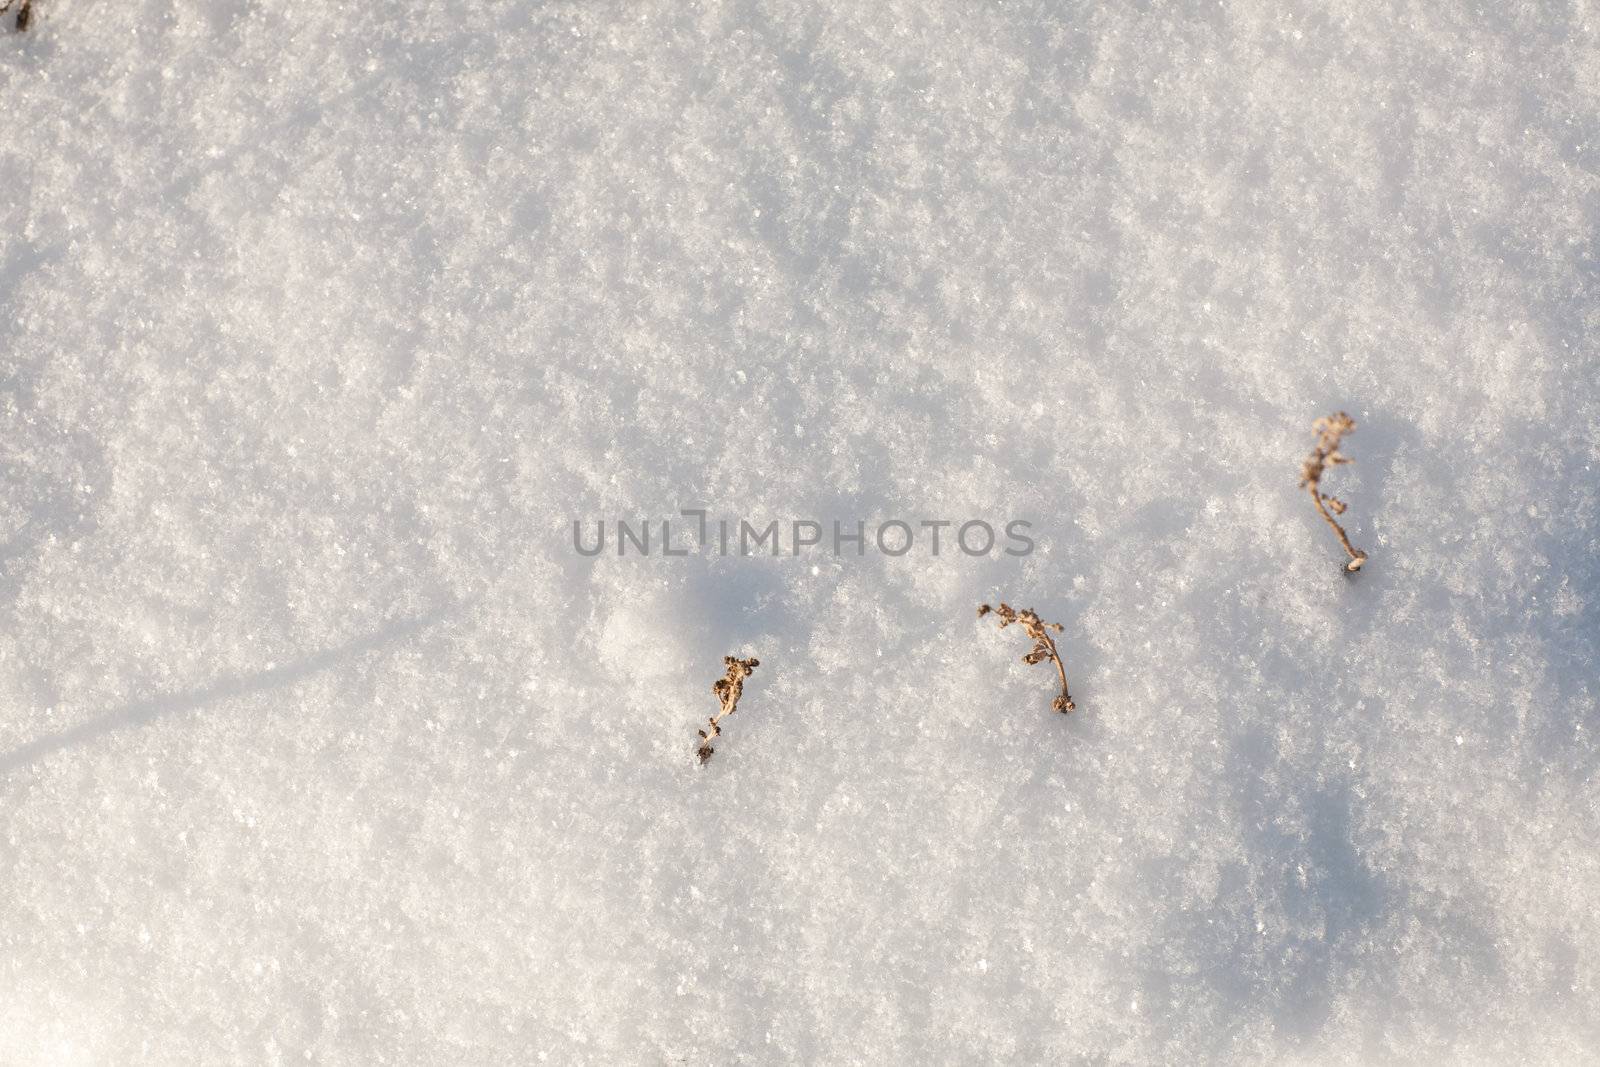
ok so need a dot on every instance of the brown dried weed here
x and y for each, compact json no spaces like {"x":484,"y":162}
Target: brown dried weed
{"x":1330,"y":431}
{"x":1044,"y":647}
{"x":727,"y":690}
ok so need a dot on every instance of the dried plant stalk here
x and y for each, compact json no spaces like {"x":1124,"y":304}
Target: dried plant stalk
{"x":727,"y":689}
{"x":1044,"y":647}
{"x":1330,"y":431}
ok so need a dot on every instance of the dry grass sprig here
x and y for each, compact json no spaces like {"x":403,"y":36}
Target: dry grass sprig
{"x":1044,"y":647}
{"x":727,"y":689}
{"x":1330,"y":431}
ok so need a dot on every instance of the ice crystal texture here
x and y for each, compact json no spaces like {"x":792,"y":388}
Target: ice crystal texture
{"x":319,"y":324}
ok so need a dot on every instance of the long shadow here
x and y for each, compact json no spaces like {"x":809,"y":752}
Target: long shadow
{"x":146,"y":711}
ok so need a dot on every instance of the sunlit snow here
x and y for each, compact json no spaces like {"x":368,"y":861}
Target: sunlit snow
{"x":321,"y":324}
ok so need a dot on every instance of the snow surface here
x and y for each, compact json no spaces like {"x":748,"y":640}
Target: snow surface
{"x":321,"y":323}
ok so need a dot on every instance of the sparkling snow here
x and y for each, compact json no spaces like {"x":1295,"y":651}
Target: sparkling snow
{"x":320,"y":324}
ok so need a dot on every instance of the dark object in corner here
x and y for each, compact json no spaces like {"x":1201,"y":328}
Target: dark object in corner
{"x":24,"y":13}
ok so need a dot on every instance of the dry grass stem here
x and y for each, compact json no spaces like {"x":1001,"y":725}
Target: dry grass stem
{"x":1330,"y":432}
{"x":1044,"y":647}
{"x":727,"y":689}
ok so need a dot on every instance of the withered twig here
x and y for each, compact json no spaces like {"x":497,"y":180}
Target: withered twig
{"x":1044,"y":647}
{"x":727,"y":690}
{"x":1330,"y":431}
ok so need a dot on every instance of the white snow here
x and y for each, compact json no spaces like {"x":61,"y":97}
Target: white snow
{"x":320,"y":324}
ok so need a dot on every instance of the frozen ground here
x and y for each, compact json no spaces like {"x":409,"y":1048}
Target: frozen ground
{"x":322,"y":322}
